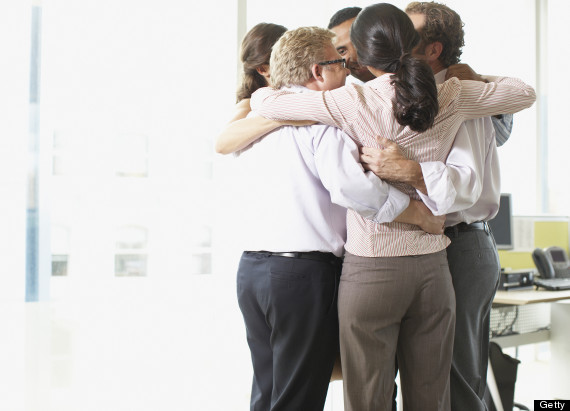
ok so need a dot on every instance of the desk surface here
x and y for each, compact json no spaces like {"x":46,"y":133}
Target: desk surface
{"x":523,"y":297}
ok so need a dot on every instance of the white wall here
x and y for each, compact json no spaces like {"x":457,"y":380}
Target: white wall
{"x":557,"y":92}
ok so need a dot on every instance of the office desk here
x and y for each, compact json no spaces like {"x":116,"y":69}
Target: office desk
{"x":523,"y":297}
{"x":558,"y":334}
{"x":526,"y":297}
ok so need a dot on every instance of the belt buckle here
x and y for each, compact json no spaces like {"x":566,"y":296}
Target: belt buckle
{"x":291,"y":255}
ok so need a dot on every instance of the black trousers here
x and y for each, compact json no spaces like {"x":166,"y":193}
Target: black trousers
{"x":289,"y":306}
{"x":475,"y":271}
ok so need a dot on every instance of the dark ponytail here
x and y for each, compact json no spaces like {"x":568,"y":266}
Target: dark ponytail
{"x":415,"y":104}
{"x":255,"y":52}
{"x":384,"y":37}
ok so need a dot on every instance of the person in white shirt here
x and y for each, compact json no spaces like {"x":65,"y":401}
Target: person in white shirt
{"x":473,"y":175}
{"x":296,"y":184}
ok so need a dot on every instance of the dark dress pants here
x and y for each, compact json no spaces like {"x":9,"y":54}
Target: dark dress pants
{"x":474,"y":266}
{"x":289,"y":306}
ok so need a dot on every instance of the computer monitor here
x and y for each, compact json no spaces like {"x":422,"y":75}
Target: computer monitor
{"x":502,"y":224}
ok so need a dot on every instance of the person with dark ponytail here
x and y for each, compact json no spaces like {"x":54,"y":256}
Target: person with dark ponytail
{"x":389,"y":51}
{"x":396,"y":293}
{"x":472,"y":166}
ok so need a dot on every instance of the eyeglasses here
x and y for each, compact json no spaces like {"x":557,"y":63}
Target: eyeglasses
{"x":326,"y":63}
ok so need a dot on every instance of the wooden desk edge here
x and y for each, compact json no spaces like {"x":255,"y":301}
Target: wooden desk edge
{"x":524,"y":297}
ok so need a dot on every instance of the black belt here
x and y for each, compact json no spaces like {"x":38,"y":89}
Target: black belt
{"x":312,"y":255}
{"x":476,"y":226}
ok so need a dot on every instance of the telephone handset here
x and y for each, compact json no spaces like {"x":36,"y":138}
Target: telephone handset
{"x":552,"y":262}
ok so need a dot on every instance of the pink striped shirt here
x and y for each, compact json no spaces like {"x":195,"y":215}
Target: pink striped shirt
{"x":365,"y":111}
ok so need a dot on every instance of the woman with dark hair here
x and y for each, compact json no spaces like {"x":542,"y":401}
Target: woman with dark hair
{"x":387,"y":50}
{"x":396,"y":294}
{"x":255,"y":53}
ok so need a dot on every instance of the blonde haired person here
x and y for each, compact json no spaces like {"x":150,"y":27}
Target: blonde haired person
{"x":295,"y":187}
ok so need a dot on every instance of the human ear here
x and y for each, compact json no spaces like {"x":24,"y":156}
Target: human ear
{"x":317,"y":72}
{"x":264,"y":71}
{"x":433,"y":50}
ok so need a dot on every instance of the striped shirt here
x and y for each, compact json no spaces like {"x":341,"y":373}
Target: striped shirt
{"x":365,"y":111}
{"x":503,"y":127}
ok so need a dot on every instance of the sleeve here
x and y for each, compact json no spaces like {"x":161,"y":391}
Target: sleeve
{"x":457,"y":184}
{"x":503,"y":95}
{"x":337,"y":162}
{"x":334,"y":108}
{"x":503,"y":127}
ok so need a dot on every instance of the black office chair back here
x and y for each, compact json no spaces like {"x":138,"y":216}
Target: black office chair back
{"x":505,"y":371}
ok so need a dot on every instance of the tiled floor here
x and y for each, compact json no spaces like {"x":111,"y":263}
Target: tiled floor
{"x":177,"y":348}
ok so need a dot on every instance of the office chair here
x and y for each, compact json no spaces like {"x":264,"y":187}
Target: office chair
{"x":504,"y":369}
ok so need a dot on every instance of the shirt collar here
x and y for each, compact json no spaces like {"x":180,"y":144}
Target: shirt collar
{"x":440,"y":77}
{"x":296,"y":89}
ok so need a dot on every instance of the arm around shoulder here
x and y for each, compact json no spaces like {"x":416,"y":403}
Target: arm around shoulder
{"x":241,"y":133}
{"x":501,"y":95}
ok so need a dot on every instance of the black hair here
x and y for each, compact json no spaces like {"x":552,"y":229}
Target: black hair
{"x":384,"y":37}
{"x":343,"y":15}
{"x":255,"y":52}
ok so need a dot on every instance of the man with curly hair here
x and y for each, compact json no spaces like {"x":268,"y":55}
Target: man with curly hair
{"x":437,"y":23}
{"x":441,"y":31}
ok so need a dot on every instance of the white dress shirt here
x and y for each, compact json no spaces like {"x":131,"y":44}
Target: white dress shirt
{"x":297,"y":182}
{"x":353,"y":80}
{"x":468,"y":186}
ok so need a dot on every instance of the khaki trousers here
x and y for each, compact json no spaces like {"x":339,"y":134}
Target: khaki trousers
{"x":396,"y":305}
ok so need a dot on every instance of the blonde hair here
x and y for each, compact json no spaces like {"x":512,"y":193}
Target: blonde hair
{"x":294,"y":54}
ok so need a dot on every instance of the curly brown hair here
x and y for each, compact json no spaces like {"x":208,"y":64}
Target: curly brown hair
{"x":442,"y":24}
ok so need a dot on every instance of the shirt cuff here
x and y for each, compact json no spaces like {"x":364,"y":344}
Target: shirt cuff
{"x":396,"y":203}
{"x":440,"y":191}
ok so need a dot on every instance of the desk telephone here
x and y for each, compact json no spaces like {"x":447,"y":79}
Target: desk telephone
{"x":552,"y":262}
{"x":554,"y":268}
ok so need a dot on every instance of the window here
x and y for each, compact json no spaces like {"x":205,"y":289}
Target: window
{"x":131,"y":252}
{"x":129,"y":111}
{"x":59,"y":251}
{"x":59,"y":265}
